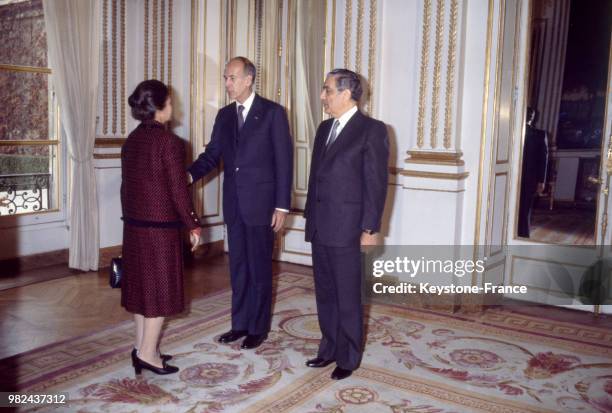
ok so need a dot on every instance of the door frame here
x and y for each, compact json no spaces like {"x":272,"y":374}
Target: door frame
{"x":602,"y":230}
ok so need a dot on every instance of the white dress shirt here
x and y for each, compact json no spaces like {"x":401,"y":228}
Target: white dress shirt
{"x":247,"y":105}
{"x":343,"y":120}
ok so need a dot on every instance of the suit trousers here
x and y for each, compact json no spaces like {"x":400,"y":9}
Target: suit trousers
{"x":526,"y":203}
{"x":337,"y":275}
{"x":250,"y":255}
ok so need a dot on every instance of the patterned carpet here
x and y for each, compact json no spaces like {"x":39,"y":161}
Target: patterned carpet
{"x":416,"y":361}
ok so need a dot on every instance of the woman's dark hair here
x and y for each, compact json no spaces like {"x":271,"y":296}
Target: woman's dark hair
{"x":149,"y":96}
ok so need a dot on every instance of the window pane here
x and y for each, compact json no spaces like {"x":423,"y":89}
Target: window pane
{"x":22,"y":30}
{"x":28,"y":180}
{"x":25,"y":99}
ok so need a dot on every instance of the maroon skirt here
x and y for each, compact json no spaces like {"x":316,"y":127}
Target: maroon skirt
{"x":152,"y":281}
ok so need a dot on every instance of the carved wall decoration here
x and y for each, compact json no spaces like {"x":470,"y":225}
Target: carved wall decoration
{"x":437,"y":81}
{"x":114,"y":63}
{"x":158,"y":38}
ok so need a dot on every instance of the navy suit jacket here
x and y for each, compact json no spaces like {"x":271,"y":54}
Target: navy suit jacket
{"x":535,"y":156}
{"x":258,"y":161}
{"x":348,"y":182}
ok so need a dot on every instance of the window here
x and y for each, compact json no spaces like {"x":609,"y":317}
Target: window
{"x":29,"y":119}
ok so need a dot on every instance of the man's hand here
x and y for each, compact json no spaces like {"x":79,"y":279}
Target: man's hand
{"x":368,"y":239}
{"x":194,"y":238}
{"x":278,"y":220}
{"x":3,"y":201}
{"x":540,"y":188}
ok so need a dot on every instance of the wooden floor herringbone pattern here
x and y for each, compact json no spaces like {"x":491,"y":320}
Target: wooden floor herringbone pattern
{"x":47,"y":312}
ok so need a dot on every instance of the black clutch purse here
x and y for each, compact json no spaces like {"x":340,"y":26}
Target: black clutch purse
{"x":116,"y":271}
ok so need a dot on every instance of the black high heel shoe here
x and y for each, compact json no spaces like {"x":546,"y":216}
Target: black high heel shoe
{"x":166,"y":369}
{"x":164,"y":357}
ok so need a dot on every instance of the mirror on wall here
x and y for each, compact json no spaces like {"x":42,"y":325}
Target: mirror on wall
{"x":565,"y":117}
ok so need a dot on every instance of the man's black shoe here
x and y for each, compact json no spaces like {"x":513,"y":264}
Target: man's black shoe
{"x":318,"y":362}
{"x":231,"y":336}
{"x":340,"y":373}
{"x":253,"y":341}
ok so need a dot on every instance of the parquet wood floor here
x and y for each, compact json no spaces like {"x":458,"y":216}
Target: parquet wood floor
{"x":563,"y":226}
{"x":47,"y":312}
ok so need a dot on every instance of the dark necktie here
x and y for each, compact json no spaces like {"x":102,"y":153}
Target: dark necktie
{"x":240,"y":117}
{"x":332,"y":135}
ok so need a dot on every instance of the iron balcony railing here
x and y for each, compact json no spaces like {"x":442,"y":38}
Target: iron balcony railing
{"x":23,"y":193}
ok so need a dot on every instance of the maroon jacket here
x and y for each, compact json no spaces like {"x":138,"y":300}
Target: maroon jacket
{"x":154,"y":183}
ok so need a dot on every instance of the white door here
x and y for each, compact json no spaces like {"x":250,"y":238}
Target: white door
{"x":563,"y":260}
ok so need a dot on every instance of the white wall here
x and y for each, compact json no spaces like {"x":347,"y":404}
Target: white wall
{"x":419,"y":209}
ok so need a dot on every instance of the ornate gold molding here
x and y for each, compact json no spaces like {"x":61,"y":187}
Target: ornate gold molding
{"x":146,"y":39}
{"x":433,"y":139}
{"x":192,"y":68}
{"x":447,"y":191}
{"x":501,"y":21}
{"x":279,"y":56}
{"x":170,"y":26}
{"x":193,"y":94}
{"x":348,"y":18}
{"x":105,"y":66}
{"x":222,"y":54}
{"x":289,"y":53}
{"x":123,"y":66}
{"x":483,"y":133}
{"x":114,"y":67}
{"x":372,"y":53}
{"x":450,"y":76}
{"x":36,"y":142}
{"x":249,"y":30}
{"x":28,"y":69}
{"x":359,"y":39}
{"x":162,"y":40}
{"x":333,"y":36}
{"x":434,"y":157}
{"x":435,"y":175}
{"x":423,"y":74}
{"x":258,"y":42}
{"x":233,"y":21}
{"x":154,"y":51}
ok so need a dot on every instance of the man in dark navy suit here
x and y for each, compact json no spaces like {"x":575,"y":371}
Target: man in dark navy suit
{"x":252,"y":136}
{"x":346,"y":196}
{"x":533,"y":177}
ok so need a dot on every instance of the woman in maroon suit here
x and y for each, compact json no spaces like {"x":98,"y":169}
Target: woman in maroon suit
{"x":156,"y":203}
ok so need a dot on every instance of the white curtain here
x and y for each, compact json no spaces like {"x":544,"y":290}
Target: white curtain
{"x":308,"y":75}
{"x":268,"y":71}
{"x":73,"y":39}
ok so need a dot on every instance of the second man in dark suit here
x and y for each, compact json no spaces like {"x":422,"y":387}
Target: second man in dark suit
{"x":535,"y":156}
{"x":252,"y":136}
{"x":346,"y":196}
